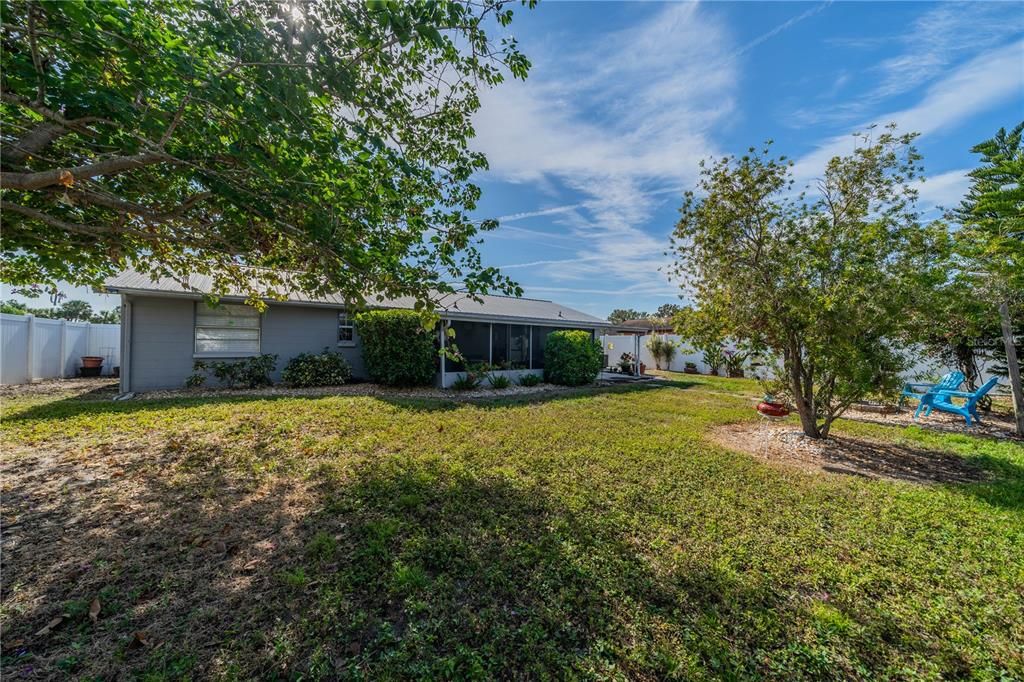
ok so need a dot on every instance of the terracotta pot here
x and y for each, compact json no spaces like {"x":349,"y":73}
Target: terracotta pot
{"x":690,"y":370}
{"x":90,"y":361}
{"x":736,"y":374}
{"x":643,"y":368}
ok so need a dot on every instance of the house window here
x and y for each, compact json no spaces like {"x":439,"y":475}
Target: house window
{"x":227,"y":330}
{"x":346,"y":330}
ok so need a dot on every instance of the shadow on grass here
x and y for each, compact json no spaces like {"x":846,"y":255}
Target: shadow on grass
{"x":387,"y":570}
{"x":89,"y":404}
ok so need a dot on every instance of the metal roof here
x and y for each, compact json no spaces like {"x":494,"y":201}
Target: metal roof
{"x":454,"y":306}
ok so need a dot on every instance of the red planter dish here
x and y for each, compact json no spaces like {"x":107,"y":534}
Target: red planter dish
{"x":772,"y":409}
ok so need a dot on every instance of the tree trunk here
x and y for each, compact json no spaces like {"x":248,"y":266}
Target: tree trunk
{"x":1013,"y":367}
{"x":800,"y":389}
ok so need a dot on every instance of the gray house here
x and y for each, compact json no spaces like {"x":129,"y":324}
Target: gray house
{"x":166,"y":327}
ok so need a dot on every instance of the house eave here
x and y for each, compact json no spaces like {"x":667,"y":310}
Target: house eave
{"x":462,"y":316}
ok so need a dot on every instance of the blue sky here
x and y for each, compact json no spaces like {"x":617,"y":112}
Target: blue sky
{"x":589,"y":156}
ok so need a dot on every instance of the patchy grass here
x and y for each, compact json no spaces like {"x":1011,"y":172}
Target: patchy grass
{"x":591,"y":535}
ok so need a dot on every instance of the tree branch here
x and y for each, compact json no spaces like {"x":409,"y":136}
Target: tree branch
{"x":64,"y":176}
{"x":55,"y":222}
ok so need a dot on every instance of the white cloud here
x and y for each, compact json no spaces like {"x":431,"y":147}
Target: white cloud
{"x":944,"y":190}
{"x":621,"y":120}
{"x":987,"y":80}
{"x":928,"y":48}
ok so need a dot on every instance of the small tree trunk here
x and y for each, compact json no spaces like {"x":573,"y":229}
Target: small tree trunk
{"x":1013,"y":367}
{"x":797,"y":385}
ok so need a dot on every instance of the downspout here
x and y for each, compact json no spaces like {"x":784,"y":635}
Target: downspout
{"x":126,"y":344}
{"x":444,"y":334}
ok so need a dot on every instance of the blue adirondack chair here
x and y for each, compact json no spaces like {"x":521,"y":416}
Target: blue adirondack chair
{"x":943,"y":401}
{"x":949,"y":382}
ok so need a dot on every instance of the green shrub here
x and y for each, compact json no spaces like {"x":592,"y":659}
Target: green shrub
{"x":251,"y":372}
{"x":529,"y":380}
{"x":572,"y":358}
{"x":397,"y":350}
{"x":328,"y":368}
{"x":466,"y":381}
{"x":498,"y":381}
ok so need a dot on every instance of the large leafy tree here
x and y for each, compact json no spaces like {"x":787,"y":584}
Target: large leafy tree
{"x":245,"y":138}
{"x":620,"y":315}
{"x":825,"y":285}
{"x":991,"y":240}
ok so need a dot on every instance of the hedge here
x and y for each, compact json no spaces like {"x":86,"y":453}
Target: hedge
{"x":571,"y":358}
{"x":397,"y":350}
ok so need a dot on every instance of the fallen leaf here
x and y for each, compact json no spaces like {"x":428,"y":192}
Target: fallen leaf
{"x":50,"y":626}
{"x":140,"y":639}
{"x":251,"y":566}
{"x":94,"y":610}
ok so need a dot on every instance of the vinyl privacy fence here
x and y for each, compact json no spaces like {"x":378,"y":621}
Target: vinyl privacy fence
{"x":35,"y":348}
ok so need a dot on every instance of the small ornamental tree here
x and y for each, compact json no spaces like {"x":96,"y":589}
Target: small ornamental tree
{"x":571,"y":358}
{"x":826,"y":285}
{"x":397,"y":350}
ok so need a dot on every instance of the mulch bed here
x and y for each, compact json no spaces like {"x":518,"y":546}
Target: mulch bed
{"x":782,"y":443}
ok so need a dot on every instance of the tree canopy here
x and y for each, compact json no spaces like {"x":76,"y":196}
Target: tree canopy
{"x":244,"y":138}
{"x":990,"y":242}
{"x":824,"y":283}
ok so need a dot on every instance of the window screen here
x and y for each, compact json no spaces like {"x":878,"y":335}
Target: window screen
{"x":227,"y":329}
{"x":519,"y":346}
{"x":474,"y":342}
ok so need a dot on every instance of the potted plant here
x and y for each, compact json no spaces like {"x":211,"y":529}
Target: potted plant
{"x":690,"y":368}
{"x":92,"y":365}
{"x":626,"y":362}
{"x":714,"y":358}
{"x":734,"y":363}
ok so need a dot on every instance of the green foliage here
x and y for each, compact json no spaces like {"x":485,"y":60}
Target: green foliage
{"x":714,"y":358}
{"x":467,"y":381}
{"x":829,"y":285}
{"x":571,"y":358}
{"x":253,"y":372}
{"x":328,"y":139}
{"x":530,"y":379}
{"x":990,"y":242}
{"x":498,"y":381}
{"x":734,"y":361}
{"x":620,"y":315}
{"x":75,"y":311}
{"x":662,"y":349}
{"x":397,"y":350}
{"x":328,"y":368}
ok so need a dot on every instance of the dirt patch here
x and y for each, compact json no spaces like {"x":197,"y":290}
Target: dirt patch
{"x":993,"y":425}
{"x":784,"y":444}
{"x":99,"y":388}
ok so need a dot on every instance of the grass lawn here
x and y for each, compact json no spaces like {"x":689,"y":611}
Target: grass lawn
{"x":599,"y":535}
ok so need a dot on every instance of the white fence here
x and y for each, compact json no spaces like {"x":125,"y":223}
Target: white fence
{"x":35,"y":348}
{"x":922,"y":368}
{"x":615,"y":346}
